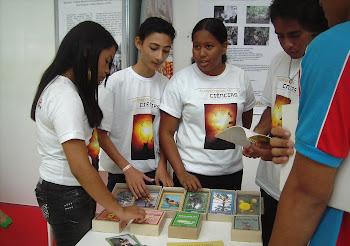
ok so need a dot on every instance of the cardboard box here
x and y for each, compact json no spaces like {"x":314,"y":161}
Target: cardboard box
{"x":246,"y":228}
{"x":248,"y":203}
{"x":108,"y":222}
{"x":185,"y":225}
{"x":152,"y":226}
{"x":172,"y":200}
{"x":222,"y":205}
{"x":152,"y":202}
{"x":197,"y":202}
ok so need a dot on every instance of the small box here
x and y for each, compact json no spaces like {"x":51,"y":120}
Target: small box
{"x":151,"y":202}
{"x":222,"y":205}
{"x":108,"y":222}
{"x":172,"y":200}
{"x":185,"y":225}
{"x":246,"y":228}
{"x":197,"y":202}
{"x":152,"y":226}
{"x":248,"y":203}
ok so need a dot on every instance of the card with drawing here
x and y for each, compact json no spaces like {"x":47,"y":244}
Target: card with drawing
{"x":171,"y":201}
{"x":126,"y":239}
{"x":222,"y":202}
{"x":248,"y":204}
{"x":124,"y":197}
{"x":152,"y":217}
{"x":106,"y":215}
{"x":196,"y":202}
{"x":250,"y":223}
{"x":148,"y":202}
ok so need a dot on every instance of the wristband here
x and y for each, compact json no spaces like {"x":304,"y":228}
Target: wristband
{"x":126,"y":168}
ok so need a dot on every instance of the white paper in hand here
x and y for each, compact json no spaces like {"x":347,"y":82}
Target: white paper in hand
{"x":241,"y":136}
{"x":289,"y":122}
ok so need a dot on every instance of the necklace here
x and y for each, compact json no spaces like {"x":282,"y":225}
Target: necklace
{"x":291,"y":79}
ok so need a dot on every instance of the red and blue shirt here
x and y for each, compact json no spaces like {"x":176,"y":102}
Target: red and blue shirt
{"x":323,"y":132}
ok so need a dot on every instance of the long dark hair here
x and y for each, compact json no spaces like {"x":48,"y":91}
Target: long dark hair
{"x":80,"y":49}
{"x":216,"y":27}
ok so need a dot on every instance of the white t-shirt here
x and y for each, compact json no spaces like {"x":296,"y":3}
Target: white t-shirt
{"x":278,"y":91}
{"x":60,"y":117}
{"x":130,"y":106}
{"x":206,"y":105}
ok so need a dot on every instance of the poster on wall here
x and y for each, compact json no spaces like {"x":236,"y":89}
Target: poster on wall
{"x":164,"y":10}
{"x":252,"y":42}
{"x":108,"y":13}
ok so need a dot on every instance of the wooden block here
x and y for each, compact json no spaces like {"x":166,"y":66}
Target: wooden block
{"x":246,"y":228}
{"x":185,"y":225}
{"x":108,"y":222}
{"x":152,"y":226}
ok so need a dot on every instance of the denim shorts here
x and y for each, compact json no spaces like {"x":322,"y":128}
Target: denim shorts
{"x":68,"y":209}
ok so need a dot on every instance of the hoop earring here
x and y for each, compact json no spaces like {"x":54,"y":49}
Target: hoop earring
{"x":89,"y":74}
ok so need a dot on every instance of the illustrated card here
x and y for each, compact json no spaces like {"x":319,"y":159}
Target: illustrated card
{"x":152,"y":217}
{"x":196,"y":202}
{"x":106,"y":215}
{"x":124,"y":197}
{"x":222,"y":202}
{"x":250,"y":223}
{"x":186,"y":220}
{"x":171,"y":201}
{"x":248,"y":205}
{"x":126,"y":239}
{"x":148,"y":202}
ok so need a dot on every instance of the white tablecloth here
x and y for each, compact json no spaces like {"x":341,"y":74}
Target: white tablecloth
{"x":210,"y":231}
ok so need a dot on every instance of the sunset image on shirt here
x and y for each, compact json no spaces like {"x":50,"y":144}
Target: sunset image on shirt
{"x":218,"y":117}
{"x":277,"y":112}
{"x":142,"y":144}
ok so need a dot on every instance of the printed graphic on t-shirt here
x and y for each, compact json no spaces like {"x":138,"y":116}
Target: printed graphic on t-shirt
{"x":277,"y":112}
{"x":218,"y":117}
{"x":142,"y":144}
{"x":94,"y":149}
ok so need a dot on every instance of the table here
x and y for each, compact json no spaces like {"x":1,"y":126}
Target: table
{"x":211,"y":231}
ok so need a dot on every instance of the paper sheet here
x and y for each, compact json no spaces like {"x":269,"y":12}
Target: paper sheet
{"x":289,"y":122}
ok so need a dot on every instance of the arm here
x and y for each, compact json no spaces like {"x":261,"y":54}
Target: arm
{"x":168,"y":126}
{"x":303,"y":201}
{"x":76,"y":153}
{"x":162,"y":174}
{"x":133,"y":177}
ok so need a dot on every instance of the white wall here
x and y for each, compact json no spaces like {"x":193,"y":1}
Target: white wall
{"x":27,"y":46}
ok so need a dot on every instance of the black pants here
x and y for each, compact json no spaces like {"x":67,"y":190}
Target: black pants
{"x":68,"y":209}
{"x":120,"y":178}
{"x":268,"y":218}
{"x":226,"y":182}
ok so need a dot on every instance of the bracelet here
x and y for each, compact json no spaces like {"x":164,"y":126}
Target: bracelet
{"x":126,"y":168}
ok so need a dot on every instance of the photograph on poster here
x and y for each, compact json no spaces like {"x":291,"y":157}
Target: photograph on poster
{"x":227,"y":14}
{"x":258,"y":15}
{"x":256,"y":35}
{"x":232,"y":35}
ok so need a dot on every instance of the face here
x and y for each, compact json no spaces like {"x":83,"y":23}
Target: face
{"x":207,"y":53}
{"x":292,"y":37}
{"x":154,"y":50}
{"x":336,"y":11}
{"x":106,"y":57}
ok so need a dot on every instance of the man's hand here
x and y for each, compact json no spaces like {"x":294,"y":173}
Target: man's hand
{"x":135,"y":180}
{"x":282,"y":147}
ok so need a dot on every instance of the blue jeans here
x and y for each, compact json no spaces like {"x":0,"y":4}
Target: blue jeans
{"x":120,"y":178}
{"x":68,"y":209}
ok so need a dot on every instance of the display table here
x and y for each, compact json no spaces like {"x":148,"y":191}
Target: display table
{"x":211,"y":231}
